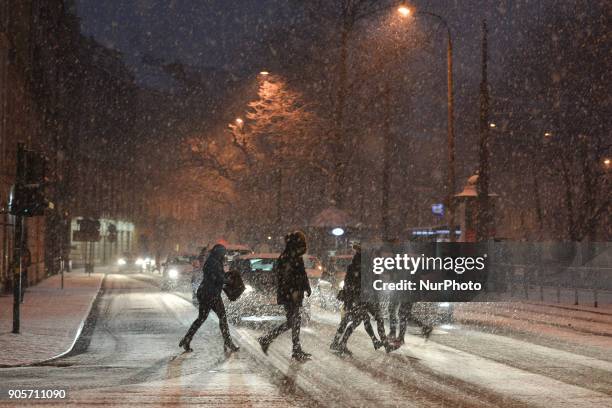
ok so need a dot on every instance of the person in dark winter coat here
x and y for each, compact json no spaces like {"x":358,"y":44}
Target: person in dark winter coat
{"x":209,"y":298}
{"x":292,"y":282}
{"x":358,"y":311}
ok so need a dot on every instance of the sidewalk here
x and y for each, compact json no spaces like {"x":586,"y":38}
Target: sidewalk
{"x":527,"y":316}
{"x":51,"y":318}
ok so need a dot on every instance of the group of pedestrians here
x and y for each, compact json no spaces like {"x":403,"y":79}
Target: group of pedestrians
{"x":292,"y":286}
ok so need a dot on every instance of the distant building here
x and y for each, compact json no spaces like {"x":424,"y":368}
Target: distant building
{"x":65,"y":95}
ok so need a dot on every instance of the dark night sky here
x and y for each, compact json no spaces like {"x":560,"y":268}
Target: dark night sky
{"x":225,"y":34}
{"x":222,"y":33}
{"x":216,"y":33}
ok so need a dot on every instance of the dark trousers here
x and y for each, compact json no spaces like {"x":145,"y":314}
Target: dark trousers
{"x":293,"y":322}
{"x":216,"y":305}
{"x":344,"y":322}
{"x":360,"y":313}
{"x":401,"y":311}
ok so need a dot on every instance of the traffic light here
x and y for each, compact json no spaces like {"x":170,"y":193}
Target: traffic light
{"x":28,"y":196}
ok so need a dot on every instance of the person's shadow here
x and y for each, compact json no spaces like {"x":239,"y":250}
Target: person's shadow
{"x":173,"y":389}
{"x":288,"y":380}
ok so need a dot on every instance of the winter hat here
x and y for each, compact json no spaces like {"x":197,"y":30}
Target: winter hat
{"x":218,"y":251}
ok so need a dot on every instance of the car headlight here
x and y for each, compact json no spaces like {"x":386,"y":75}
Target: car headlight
{"x":248,"y":288}
{"x":121,"y":261}
{"x":139,"y":262}
{"x":173,"y":274}
{"x":319,"y":267}
{"x":341,"y":285}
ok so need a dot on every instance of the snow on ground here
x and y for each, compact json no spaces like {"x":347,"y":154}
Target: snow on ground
{"x":133,"y":359}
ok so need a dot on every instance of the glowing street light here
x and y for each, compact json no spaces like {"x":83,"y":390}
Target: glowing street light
{"x":404,"y":11}
{"x":607,"y":162}
{"x":264,"y":73}
{"x":239,"y":121}
{"x":547,"y":134}
{"x":492,"y":125}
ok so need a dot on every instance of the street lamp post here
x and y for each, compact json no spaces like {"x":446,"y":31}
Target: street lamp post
{"x":405,"y":12}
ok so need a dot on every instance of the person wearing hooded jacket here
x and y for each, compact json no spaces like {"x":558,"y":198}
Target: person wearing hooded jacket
{"x":292,"y":282}
{"x":209,"y":298}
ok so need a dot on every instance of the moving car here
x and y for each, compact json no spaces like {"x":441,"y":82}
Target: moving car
{"x":258,"y":302}
{"x":146,"y":263}
{"x":178,"y":271}
{"x":433,"y":313}
{"x":127,"y":263}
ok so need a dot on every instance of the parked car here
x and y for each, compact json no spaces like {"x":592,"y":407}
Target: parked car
{"x":234,"y":250}
{"x":258,"y":302}
{"x":178,"y":271}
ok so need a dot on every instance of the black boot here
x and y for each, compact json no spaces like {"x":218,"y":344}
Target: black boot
{"x":185,"y":343}
{"x":377,"y":344}
{"x":335,"y":346}
{"x":264,"y":343}
{"x":345,"y":351}
{"x":300,"y":355}
{"x":391,"y":346}
{"x":230,"y":347}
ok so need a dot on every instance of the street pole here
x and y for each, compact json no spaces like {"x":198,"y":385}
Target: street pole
{"x":18,"y":243}
{"x":386,"y":161}
{"x":451,"y":138}
{"x":279,"y":200}
{"x":483,"y":218}
{"x":450,"y":124}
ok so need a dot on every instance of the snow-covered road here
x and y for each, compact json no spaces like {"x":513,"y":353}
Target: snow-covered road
{"x":132,"y":359}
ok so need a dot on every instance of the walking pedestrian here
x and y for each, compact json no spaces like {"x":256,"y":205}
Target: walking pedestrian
{"x":402,"y":312}
{"x":292,"y":282}
{"x":358,"y":311}
{"x":209,"y":298}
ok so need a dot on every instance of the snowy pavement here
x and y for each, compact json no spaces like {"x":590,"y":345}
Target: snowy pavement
{"x":132,"y":358}
{"x":51,"y":318}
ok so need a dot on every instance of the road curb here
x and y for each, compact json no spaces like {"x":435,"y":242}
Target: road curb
{"x":79,"y":332}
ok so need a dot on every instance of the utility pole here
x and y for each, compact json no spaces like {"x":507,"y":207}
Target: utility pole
{"x":18,"y":242}
{"x":27,"y":199}
{"x":279,"y":200}
{"x":451,"y":134}
{"x":482,"y":187}
{"x":386,"y":181}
